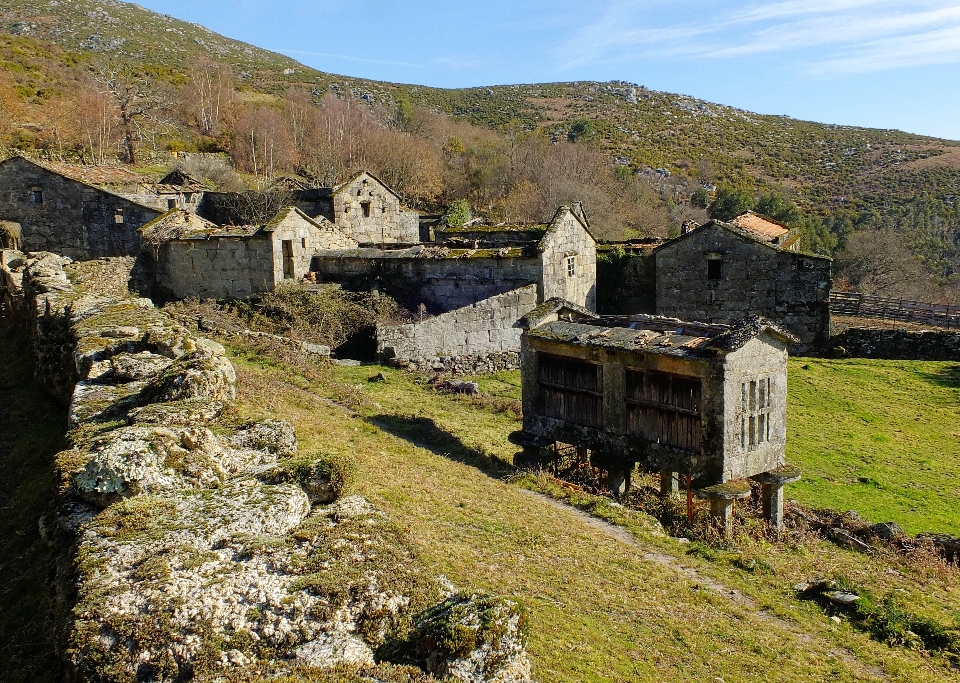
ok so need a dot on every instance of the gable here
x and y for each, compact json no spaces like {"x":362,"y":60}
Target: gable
{"x":359,"y":179}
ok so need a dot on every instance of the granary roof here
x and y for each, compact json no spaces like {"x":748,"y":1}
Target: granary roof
{"x":652,"y":334}
{"x":763,"y":227}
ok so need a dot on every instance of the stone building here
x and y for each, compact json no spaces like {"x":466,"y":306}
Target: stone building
{"x":707,"y":402}
{"x":719,"y":272}
{"x":477,"y":290}
{"x":80,"y":212}
{"x":193,"y":257}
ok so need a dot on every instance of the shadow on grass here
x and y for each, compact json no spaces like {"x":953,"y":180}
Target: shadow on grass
{"x":947,"y":376}
{"x":424,"y":433}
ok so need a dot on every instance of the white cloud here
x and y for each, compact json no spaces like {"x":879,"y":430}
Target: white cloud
{"x":842,"y":36}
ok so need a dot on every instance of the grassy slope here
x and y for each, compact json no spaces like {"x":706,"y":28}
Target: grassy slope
{"x":600,"y":611}
{"x":881,"y":437}
{"x":31,"y":432}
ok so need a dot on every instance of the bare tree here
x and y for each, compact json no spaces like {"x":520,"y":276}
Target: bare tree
{"x":208,"y":93}
{"x":138,"y":101}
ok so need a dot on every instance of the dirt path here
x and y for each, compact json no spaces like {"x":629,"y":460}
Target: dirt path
{"x":710,"y":584}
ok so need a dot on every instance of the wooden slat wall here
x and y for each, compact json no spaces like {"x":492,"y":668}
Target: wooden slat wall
{"x":870,"y":306}
{"x":664,"y":408}
{"x":571,"y":390}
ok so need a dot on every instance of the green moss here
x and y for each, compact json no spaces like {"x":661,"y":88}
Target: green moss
{"x":153,"y":568}
{"x":338,"y":470}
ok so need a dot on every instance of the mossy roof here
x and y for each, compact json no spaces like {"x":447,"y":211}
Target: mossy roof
{"x":420,"y":251}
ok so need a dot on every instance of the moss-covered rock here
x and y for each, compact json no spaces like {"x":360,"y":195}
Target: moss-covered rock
{"x":325,"y":477}
{"x":275,"y":436}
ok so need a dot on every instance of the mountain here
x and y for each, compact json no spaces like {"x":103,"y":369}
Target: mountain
{"x":842,"y":173}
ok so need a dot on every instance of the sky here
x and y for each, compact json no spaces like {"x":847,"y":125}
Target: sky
{"x":872,"y":63}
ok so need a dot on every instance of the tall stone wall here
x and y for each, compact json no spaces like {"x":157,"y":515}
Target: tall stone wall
{"x":440,"y":284}
{"x":480,"y":329}
{"x":751,"y":278}
{"x":206,"y":546}
{"x":569,"y":263}
{"x":215,"y":267}
{"x":72,"y":219}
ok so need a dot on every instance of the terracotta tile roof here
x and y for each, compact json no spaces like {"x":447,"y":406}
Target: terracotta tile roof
{"x":759,"y":225}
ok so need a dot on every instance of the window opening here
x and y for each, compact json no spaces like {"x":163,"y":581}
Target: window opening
{"x":303,"y":242}
{"x":756,"y":403}
{"x":571,"y":266}
{"x":714,"y":269}
{"x":288,"y":264}
{"x":37,"y":196}
{"x":171,"y":203}
{"x":366,"y":209}
{"x":118,"y":217}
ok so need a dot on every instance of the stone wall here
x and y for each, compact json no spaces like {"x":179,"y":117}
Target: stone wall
{"x":215,"y":267}
{"x":751,"y":278}
{"x":626,"y":282}
{"x":73,"y":219}
{"x":205,"y":545}
{"x":440,"y":284}
{"x":875,"y":342}
{"x":483,"y":328}
{"x":569,"y":262}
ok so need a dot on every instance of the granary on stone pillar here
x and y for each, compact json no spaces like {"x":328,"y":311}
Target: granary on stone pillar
{"x":702,"y":404}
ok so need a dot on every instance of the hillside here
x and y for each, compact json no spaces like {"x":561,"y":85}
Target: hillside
{"x":638,"y":156}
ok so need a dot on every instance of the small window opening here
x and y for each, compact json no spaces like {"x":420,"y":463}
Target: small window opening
{"x":714,"y":269}
{"x":118,"y":217}
{"x":756,"y":403}
{"x":571,"y":266}
{"x":171,"y":203}
{"x":359,"y":193}
{"x":346,"y":209}
{"x":38,"y":196}
{"x":366,"y":209}
{"x":303,"y":242}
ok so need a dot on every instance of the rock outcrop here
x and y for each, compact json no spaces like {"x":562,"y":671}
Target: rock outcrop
{"x":208,"y":547}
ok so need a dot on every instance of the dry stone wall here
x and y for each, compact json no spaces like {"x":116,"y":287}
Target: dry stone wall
{"x":474,"y":331}
{"x":215,"y":267}
{"x":875,"y":342}
{"x":207,"y":546}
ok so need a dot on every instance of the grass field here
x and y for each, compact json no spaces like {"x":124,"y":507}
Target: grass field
{"x":879,"y":437}
{"x":601,"y":609}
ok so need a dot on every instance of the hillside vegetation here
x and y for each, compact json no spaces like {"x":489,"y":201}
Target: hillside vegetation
{"x":108,"y":80}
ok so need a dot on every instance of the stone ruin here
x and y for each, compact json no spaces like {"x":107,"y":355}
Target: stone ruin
{"x":205,"y":545}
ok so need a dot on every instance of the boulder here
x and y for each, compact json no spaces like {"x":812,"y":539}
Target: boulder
{"x":129,"y":367}
{"x":274,"y":436}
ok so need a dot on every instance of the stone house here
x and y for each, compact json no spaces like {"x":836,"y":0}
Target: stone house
{"x":80,"y":212}
{"x":704,"y":401}
{"x":476,"y":290}
{"x":719,"y":272}
{"x":193,"y":257}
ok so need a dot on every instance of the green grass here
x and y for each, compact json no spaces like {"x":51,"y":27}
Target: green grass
{"x":600,"y":609}
{"x":31,"y":432}
{"x":879,"y":437}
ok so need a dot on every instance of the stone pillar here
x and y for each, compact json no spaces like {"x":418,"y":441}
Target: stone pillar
{"x":618,"y":482}
{"x":530,"y":458}
{"x":722,"y":509}
{"x":771,"y":492}
{"x":669,"y":484}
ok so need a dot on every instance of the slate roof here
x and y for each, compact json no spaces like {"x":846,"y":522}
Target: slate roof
{"x":761,"y":226}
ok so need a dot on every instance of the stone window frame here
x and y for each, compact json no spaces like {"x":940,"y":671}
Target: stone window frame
{"x":571,"y":266}
{"x":756,"y":407}
{"x":366,"y":209}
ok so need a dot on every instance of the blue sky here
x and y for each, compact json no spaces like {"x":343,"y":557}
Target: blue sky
{"x":859,"y":62}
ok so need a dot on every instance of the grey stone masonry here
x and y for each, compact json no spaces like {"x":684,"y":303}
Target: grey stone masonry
{"x":719,"y":273}
{"x":365,"y":209}
{"x":64,"y":215}
{"x":485,"y":327}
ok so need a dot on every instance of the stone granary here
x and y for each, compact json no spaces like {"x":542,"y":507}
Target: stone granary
{"x":707,"y":402}
{"x":720,"y":272}
{"x":83,"y":212}
{"x":476,"y":289}
{"x":193,"y":257}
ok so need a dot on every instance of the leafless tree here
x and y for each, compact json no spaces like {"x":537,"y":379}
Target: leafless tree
{"x":139,"y":101}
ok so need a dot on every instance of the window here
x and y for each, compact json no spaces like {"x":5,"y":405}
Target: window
{"x":571,"y":266}
{"x":714,"y":269}
{"x":346,"y":209}
{"x":303,"y":242}
{"x":118,"y":217}
{"x":37,"y":196}
{"x":171,"y":203}
{"x":365,"y":206}
{"x":756,"y":401}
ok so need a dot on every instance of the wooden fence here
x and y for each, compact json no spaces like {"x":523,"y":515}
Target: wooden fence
{"x":870,"y":306}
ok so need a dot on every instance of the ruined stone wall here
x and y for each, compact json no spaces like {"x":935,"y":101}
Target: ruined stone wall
{"x":305,"y":239}
{"x":875,"y":342}
{"x":74,"y":219}
{"x":206,"y":545}
{"x":215,"y":268}
{"x":567,"y":246}
{"x":367,"y":211}
{"x":477,"y":330}
{"x":788,"y":288}
{"x":440,"y":284}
